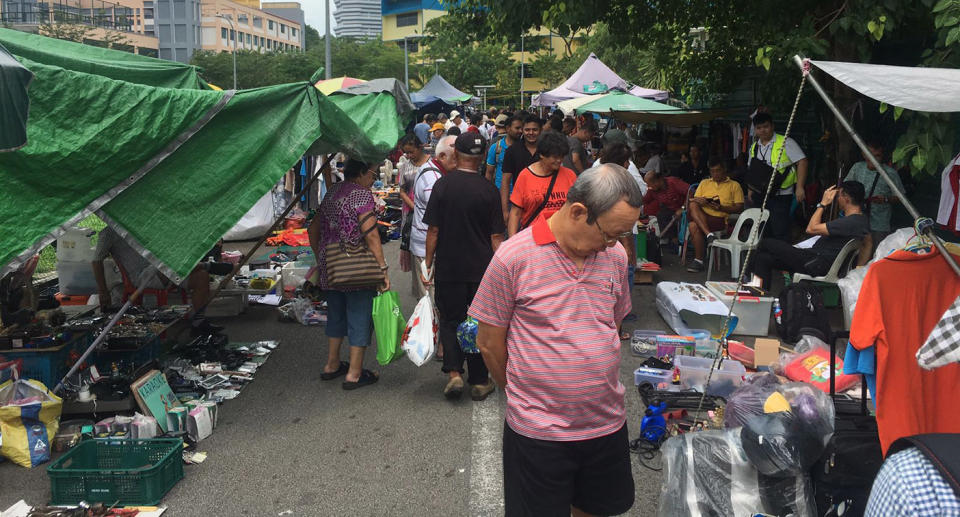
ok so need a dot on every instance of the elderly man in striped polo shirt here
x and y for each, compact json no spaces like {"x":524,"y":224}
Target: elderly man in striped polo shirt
{"x":550,"y":307}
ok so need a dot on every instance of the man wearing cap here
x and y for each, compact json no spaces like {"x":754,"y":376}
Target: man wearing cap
{"x":436,"y":133}
{"x":512,"y":128}
{"x":422,"y":130}
{"x":465,"y":228}
{"x":456,"y":119}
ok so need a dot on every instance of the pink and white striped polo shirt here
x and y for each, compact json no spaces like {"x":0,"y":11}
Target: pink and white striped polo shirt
{"x":563,"y":347}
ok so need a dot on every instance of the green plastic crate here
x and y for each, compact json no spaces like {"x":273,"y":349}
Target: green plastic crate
{"x":127,"y":472}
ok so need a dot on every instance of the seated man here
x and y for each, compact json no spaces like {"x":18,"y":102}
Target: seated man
{"x":714,"y":200}
{"x":831,"y":237}
{"x":664,"y":198}
{"x":136,"y":268}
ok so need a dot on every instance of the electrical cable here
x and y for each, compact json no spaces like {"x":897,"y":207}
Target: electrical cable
{"x":647,"y":450}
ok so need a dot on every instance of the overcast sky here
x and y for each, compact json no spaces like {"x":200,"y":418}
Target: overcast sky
{"x":313,"y":11}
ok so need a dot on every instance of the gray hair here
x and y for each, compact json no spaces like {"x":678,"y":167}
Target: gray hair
{"x":445,"y":145}
{"x":600,"y":188}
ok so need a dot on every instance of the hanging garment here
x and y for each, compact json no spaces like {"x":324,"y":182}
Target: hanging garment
{"x":949,"y":198}
{"x":910,"y":400}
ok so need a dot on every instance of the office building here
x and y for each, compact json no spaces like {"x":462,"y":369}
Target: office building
{"x":225,"y":23}
{"x":357,"y":18}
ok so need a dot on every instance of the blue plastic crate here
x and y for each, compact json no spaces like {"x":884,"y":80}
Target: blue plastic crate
{"x":49,"y":365}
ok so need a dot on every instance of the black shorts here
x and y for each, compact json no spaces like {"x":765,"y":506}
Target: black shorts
{"x":546,"y":478}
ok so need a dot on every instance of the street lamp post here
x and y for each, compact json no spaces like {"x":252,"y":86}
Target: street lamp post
{"x":406,"y":65}
{"x":234,"y":31}
{"x":437,"y":62}
{"x":328,"y":73}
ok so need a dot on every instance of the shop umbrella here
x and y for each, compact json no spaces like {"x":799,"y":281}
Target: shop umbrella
{"x":629,"y":108}
{"x":14,"y":102}
{"x":329,"y":86}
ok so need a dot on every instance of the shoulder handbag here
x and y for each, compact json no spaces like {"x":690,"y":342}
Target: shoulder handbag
{"x":759,"y":172}
{"x":546,"y":199}
{"x":352,"y":265}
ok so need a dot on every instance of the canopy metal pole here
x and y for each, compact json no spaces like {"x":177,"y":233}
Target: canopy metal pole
{"x":876,"y":165}
{"x":246,"y":258}
{"x":106,"y":330}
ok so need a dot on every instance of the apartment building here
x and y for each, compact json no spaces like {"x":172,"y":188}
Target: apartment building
{"x":224,"y":23}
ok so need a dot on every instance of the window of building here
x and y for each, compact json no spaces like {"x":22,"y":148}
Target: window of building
{"x":407,"y":19}
{"x":293,"y":32}
{"x":239,"y":38}
{"x":258,"y":22}
{"x":242,"y":18}
{"x":412,"y":46}
{"x":283,"y":29}
{"x":223,"y":32}
{"x":248,"y":39}
{"x":148,"y":13}
{"x":233,"y":35}
{"x":270,"y":25}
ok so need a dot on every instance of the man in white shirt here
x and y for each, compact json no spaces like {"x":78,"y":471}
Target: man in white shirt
{"x":444,"y":160}
{"x":456,"y":119}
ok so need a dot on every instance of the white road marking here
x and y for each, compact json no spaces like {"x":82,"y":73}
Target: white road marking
{"x":486,"y":465}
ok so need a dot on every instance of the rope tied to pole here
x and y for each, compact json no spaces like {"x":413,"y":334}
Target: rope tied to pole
{"x":754,"y":231}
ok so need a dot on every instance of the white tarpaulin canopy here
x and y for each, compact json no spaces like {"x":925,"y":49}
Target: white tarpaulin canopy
{"x":913,"y":88}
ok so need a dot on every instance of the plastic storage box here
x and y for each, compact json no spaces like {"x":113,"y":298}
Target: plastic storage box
{"x":653,"y":376}
{"x":76,"y":277}
{"x":643,"y":343}
{"x":694,"y":371}
{"x":126,"y":472}
{"x":75,"y":245}
{"x":753,"y":311}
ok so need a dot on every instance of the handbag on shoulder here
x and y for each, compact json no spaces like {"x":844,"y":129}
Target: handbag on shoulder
{"x":352,"y":265}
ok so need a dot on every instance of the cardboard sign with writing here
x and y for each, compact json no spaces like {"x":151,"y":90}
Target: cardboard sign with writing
{"x":154,"y":396}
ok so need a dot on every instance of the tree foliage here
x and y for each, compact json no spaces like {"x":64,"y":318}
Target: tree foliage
{"x":364,"y":59}
{"x":704,"y":49}
{"x":474,"y":55}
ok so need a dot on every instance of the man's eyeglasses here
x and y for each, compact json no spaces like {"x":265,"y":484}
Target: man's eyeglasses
{"x":606,"y":236}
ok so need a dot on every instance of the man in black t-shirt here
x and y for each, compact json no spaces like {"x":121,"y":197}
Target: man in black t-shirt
{"x":517,"y":158}
{"x":465,"y":227}
{"x":831,"y":237}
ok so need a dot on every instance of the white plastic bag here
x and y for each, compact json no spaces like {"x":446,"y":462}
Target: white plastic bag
{"x":420,"y":336}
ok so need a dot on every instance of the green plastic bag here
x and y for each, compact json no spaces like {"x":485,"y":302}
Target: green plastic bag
{"x":388,"y":323}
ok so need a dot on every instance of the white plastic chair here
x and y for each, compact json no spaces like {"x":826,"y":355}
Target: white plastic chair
{"x":734,"y":245}
{"x":845,"y":261}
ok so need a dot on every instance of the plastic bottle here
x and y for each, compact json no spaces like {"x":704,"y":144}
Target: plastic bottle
{"x":777,"y":311}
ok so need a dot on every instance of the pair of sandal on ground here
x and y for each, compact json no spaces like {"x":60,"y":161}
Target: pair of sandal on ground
{"x":366,"y":378}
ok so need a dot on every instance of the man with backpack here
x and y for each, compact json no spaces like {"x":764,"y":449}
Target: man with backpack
{"x":498,"y":149}
{"x":814,"y":257}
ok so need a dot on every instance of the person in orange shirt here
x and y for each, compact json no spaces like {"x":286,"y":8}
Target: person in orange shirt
{"x":541,"y":189}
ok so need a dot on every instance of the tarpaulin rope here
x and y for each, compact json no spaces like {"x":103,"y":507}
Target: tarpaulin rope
{"x":754,"y":232}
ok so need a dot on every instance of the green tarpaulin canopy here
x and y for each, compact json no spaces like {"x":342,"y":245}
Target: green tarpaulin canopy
{"x":14,"y":102}
{"x":170,"y":169}
{"x":630,"y":108}
{"x":101,"y":61}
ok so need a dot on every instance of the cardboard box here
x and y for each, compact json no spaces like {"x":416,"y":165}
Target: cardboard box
{"x":765,"y":352}
{"x":642,"y":277}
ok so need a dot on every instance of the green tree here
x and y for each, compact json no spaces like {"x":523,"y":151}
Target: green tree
{"x":474,"y":55}
{"x":255,"y":69}
{"x":705,"y":48}
{"x":312,"y":39}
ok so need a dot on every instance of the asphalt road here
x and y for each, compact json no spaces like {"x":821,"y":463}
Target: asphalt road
{"x":293,"y":445}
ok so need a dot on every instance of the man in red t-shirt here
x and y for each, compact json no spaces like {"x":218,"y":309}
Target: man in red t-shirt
{"x":665,"y":197}
{"x":541,"y":189}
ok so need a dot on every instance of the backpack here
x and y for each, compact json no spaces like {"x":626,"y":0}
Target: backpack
{"x":803,"y":314}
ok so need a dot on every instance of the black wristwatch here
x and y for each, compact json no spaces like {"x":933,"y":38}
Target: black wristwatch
{"x":820,"y":205}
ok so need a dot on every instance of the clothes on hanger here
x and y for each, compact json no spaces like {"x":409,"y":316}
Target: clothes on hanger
{"x":950,"y":195}
{"x":902,"y":299}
